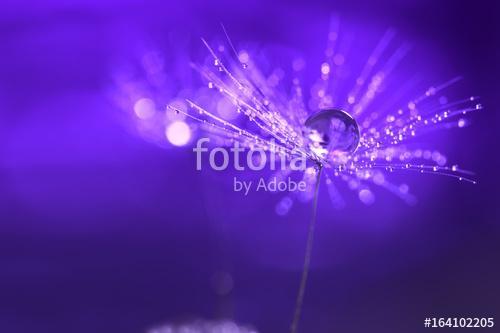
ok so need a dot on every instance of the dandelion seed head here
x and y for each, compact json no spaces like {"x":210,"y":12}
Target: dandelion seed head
{"x":355,"y":122}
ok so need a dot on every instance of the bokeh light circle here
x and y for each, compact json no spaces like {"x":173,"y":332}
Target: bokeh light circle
{"x":178,"y":133}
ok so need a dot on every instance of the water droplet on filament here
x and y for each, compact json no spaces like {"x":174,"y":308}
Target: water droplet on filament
{"x":331,"y":133}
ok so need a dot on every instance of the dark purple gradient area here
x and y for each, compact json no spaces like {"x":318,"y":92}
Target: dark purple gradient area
{"x":102,"y":231}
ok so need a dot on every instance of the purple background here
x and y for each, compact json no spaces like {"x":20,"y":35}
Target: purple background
{"x":101,"y":231}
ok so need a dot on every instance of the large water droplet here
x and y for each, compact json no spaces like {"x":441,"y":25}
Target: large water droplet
{"x":331,"y":132}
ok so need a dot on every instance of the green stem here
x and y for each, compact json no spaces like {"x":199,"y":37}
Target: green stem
{"x":307,"y":258}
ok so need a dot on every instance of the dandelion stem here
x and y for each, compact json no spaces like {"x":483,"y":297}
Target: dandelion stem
{"x":307,"y":257}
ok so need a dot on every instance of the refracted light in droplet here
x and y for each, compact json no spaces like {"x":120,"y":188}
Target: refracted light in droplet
{"x":178,"y":133}
{"x":331,"y":132}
